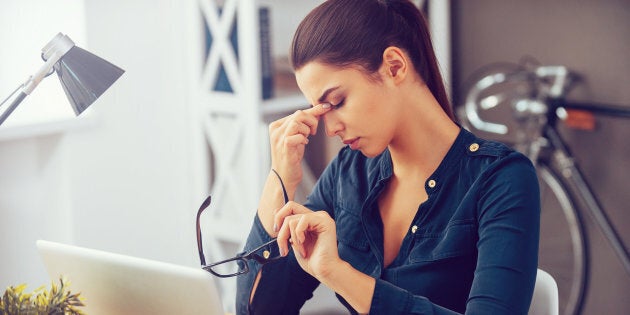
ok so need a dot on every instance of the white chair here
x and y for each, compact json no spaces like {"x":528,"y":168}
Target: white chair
{"x":545,"y":299}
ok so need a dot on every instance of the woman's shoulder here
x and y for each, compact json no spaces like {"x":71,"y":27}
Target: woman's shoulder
{"x":490,"y":152}
{"x":481,"y":147}
{"x":488,"y":158}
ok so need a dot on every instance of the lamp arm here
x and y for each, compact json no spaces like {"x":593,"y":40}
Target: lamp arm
{"x":18,"y":99}
{"x":34,"y":80}
{"x":30,"y":85}
{"x":52,"y":53}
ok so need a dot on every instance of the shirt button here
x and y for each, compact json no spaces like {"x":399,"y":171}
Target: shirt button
{"x":432,"y":184}
{"x":414,"y":229}
{"x":473,"y":147}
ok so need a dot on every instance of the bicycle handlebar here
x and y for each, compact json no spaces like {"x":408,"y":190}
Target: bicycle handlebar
{"x":552,"y":80}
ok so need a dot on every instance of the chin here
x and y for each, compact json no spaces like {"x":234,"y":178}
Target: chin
{"x":371,"y":153}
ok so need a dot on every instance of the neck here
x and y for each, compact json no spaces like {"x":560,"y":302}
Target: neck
{"x":424,"y":136}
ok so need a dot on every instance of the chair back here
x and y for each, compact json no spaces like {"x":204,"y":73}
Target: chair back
{"x":545,"y":300}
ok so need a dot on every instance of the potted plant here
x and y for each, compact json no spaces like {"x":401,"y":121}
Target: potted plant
{"x":56,"y":301}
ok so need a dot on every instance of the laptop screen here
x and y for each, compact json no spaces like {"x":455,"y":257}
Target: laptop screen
{"x":118,"y":284}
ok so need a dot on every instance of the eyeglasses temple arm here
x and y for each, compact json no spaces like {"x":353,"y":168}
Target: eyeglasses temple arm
{"x":284,"y":191}
{"x":204,"y":205}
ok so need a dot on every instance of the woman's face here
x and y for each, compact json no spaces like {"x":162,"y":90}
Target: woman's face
{"x":362,"y":116}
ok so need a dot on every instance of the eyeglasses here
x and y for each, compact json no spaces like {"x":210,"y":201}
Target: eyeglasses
{"x":236,"y":265}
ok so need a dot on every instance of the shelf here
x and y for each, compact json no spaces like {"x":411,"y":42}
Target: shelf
{"x":287,"y":96}
{"x":17,"y":132}
{"x":283,"y":104}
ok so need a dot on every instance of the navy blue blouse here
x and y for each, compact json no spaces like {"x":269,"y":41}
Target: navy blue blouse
{"x":471,"y":248}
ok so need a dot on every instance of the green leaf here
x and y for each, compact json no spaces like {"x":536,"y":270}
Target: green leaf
{"x":57,"y":300}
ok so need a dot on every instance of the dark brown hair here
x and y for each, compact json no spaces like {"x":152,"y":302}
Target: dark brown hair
{"x":344,"y":33}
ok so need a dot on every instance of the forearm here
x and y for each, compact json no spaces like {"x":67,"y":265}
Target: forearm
{"x":272,"y":199}
{"x":282,"y":280}
{"x":354,"y":286}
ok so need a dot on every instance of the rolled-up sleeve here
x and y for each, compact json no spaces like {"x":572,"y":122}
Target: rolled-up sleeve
{"x":283,"y":286}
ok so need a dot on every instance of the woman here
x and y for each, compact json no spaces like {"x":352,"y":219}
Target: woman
{"x":415,"y":215}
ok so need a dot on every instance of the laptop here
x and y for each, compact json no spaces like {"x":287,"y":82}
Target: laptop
{"x":118,"y":284}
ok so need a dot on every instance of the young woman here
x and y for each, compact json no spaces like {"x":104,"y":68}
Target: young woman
{"x":415,"y":215}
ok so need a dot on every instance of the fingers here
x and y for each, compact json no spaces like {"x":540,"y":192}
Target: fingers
{"x":297,"y":229}
{"x":288,"y":137}
{"x":290,"y":234}
{"x":295,"y":239}
{"x":283,"y":237}
{"x":302,"y":119}
{"x":295,"y":140}
{"x":301,"y":227}
{"x":296,"y":127}
{"x":282,"y":224}
{"x":288,"y":209}
{"x":318,"y":109}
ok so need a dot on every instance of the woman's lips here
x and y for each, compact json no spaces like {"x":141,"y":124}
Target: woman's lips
{"x":353,"y":143}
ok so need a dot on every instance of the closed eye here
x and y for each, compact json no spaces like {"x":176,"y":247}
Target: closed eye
{"x":338,"y":105}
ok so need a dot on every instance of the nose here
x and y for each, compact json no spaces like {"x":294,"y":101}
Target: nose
{"x":332,"y":123}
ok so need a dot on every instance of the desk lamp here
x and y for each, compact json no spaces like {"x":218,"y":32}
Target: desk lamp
{"x":84,"y":76}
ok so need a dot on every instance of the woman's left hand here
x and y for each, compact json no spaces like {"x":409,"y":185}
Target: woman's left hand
{"x":312,"y":236}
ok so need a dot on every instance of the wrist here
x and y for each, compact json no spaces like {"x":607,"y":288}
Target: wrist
{"x":354,"y":286}
{"x":272,"y":199}
{"x":286,"y":182}
{"x":333,"y":272}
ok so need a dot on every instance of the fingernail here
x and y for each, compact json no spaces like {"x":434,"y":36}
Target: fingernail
{"x":325,"y":105}
{"x":275,"y":227}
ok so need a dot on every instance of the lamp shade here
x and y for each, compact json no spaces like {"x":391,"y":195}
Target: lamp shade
{"x":84,"y":77}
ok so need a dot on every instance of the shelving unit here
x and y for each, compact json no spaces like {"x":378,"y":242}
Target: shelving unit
{"x":233,"y":148}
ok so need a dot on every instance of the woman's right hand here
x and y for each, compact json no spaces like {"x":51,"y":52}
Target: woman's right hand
{"x":288,"y":138}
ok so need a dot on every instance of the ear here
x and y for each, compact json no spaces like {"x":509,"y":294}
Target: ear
{"x":395,"y":64}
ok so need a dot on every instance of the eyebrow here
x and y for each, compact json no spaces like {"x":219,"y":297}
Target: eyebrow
{"x":325,"y":94}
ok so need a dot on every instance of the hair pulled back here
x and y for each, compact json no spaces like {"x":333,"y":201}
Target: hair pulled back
{"x":356,"y":32}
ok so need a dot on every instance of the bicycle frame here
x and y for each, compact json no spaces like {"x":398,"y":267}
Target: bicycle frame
{"x":571,"y":172}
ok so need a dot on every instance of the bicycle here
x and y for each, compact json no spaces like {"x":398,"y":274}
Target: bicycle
{"x":534,"y":98}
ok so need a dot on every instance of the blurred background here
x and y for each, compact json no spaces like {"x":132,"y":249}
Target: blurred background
{"x":129,"y":174}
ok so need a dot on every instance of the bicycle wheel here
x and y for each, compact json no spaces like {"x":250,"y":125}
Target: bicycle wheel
{"x":563,"y":251}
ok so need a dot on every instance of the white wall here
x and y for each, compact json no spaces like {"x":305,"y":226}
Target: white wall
{"x":132,"y":170}
{"x":33,"y":204}
{"x":34,"y":184}
{"x":123,"y":181}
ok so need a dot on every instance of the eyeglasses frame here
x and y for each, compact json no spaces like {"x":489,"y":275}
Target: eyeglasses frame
{"x":242,"y":257}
